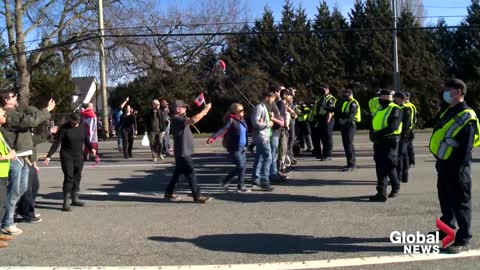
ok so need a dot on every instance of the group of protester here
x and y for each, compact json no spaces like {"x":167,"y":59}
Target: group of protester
{"x":157,"y":128}
{"x":273,"y":134}
{"x":456,"y":132}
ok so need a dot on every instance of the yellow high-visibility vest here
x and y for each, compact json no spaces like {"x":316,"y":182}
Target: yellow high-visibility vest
{"x":411,"y":115}
{"x":380,"y":119}
{"x":414,"y":112}
{"x":324,"y":101}
{"x":346,"y":109}
{"x":442,"y":141}
{"x":373,"y":105}
{"x":313,"y":111}
{"x":303,"y":115}
{"x":4,"y":164}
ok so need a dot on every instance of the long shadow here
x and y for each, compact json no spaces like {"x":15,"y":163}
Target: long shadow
{"x":326,"y":182}
{"x":274,"y":197}
{"x":321,"y":167}
{"x":274,"y":244}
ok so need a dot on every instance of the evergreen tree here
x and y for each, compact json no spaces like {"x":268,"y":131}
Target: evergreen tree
{"x":302,"y":64}
{"x":378,"y":70}
{"x":265,"y":47}
{"x":336,"y":55}
{"x":286,"y":42}
{"x":420,"y":71}
{"x":322,"y":24}
{"x":356,"y":62}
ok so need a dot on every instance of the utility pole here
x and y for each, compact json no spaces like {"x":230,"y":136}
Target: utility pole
{"x":103,"y":73}
{"x":396,"y":72}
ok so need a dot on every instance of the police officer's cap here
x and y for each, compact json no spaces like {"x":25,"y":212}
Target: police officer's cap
{"x":348,"y":92}
{"x":457,"y":84}
{"x":400,"y":94}
{"x":385,"y":92}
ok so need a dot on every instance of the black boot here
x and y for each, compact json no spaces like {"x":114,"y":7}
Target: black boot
{"x":75,"y":200}
{"x":66,"y":202}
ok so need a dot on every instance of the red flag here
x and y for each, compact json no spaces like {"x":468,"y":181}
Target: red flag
{"x":200,"y":100}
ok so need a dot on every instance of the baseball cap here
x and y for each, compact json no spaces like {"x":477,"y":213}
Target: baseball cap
{"x":180,"y":103}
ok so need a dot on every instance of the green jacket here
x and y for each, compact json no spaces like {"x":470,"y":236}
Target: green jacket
{"x":20,"y":124}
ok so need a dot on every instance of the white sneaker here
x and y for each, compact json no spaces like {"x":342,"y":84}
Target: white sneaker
{"x":37,"y":215}
{"x":154,"y":159}
{"x":161,"y":157}
{"x":12,"y":230}
{"x":244,"y":190}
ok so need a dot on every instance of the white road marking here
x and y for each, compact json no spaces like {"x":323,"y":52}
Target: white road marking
{"x":298,"y":265}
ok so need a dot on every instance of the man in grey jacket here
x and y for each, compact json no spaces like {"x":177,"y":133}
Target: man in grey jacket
{"x":262,"y":131}
{"x":19,"y":133}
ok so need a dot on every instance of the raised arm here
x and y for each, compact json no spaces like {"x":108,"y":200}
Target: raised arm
{"x":196,"y":118}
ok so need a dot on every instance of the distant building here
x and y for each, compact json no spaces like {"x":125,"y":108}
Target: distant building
{"x":87,"y":89}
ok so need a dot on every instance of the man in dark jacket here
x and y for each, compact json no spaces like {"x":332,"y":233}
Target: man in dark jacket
{"x":183,"y":149}
{"x":155,"y":123}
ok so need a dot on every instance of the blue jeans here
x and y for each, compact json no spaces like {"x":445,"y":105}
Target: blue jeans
{"x":3,"y":195}
{"x":240,"y":161}
{"x":166,"y":142}
{"x":263,"y":160}
{"x":274,"y":148}
{"x":17,"y":185}
{"x":119,"y":138}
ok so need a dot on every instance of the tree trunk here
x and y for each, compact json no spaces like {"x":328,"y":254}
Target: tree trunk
{"x":23,"y":82}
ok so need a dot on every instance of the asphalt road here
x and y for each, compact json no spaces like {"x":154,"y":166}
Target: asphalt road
{"x":320,"y":213}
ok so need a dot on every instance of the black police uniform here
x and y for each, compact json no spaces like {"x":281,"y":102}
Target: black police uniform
{"x":324,"y":130}
{"x":454,"y":180}
{"x":403,"y":157}
{"x":348,"y":127}
{"x":385,"y":148}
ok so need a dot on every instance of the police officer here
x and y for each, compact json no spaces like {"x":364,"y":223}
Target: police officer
{"x":385,"y":134}
{"x":456,"y":132}
{"x":410,"y":149}
{"x":323,"y":119}
{"x":349,"y":115}
{"x":304,"y":134}
{"x":407,"y":124}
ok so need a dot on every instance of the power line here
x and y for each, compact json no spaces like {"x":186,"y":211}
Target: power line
{"x":327,"y":31}
{"x":209,"y":24}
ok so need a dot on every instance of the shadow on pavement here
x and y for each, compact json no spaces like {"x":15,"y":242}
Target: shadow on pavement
{"x":325,"y":182}
{"x":274,"y":197}
{"x":273,"y":244}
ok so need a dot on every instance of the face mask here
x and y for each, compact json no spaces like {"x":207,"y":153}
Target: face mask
{"x":447,"y":97}
{"x":384,"y":103}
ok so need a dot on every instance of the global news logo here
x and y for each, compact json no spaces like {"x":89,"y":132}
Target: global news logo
{"x":419,"y":243}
